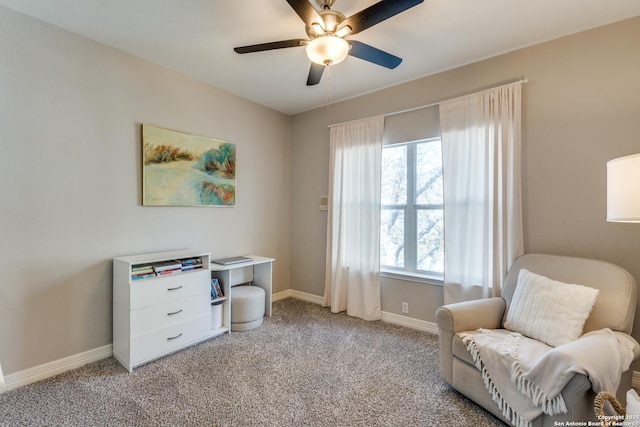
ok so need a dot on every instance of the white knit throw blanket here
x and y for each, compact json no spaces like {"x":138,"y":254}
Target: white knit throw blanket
{"x":525,"y":377}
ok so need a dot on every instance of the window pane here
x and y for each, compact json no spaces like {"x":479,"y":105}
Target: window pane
{"x":394,"y":175}
{"x":429,"y":173}
{"x":392,"y":238}
{"x":430,"y":240}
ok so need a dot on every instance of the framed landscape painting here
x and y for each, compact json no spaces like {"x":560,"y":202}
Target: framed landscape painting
{"x":180,"y":169}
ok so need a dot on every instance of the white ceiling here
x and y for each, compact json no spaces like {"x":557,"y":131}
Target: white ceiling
{"x":197,"y":37}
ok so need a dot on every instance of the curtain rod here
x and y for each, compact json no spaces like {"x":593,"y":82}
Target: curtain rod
{"x":433,"y":104}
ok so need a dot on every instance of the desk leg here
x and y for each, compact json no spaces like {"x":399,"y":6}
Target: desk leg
{"x":262,"y":274}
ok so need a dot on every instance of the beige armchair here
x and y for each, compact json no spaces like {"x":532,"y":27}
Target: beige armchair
{"x":614,"y":308}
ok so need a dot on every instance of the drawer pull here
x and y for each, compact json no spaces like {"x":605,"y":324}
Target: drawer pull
{"x":174,"y":338}
{"x":175,"y":289}
{"x":174,"y":313}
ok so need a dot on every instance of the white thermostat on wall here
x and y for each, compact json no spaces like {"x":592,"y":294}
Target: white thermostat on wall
{"x":324,"y":203}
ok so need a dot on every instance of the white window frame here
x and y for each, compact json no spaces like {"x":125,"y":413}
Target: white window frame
{"x":410,"y":271}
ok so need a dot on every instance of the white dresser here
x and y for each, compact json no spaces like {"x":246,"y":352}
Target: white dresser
{"x":156,"y":313}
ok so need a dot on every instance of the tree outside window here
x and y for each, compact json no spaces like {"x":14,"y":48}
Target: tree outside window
{"x":412,"y":225}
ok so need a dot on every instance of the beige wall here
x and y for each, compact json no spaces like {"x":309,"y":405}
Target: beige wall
{"x":70,"y":136}
{"x":70,"y":115}
{"x":581,"y":108}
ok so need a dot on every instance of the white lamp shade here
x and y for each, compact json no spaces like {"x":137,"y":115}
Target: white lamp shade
{"x":327,"y":50}
{"x":623,"y":189}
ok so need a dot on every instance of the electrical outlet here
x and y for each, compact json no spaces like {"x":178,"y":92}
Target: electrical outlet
{"x":405,"y":307}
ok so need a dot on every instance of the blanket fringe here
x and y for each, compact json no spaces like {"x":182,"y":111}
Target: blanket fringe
{"x":509,"y":414}
{"x":550,"y":406}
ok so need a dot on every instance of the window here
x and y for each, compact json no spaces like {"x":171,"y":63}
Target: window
{"x":412,"y":223}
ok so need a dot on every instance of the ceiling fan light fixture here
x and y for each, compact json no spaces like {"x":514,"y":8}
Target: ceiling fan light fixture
{"x":327,"y":50}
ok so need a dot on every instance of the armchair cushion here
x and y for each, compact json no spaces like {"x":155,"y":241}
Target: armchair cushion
{"x":548,"y":310}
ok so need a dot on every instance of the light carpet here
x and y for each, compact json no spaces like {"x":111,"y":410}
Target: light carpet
{"x":303,"y":367}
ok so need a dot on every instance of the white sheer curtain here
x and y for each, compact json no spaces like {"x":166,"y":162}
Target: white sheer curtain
{"x":482,"y":195}
{"x":352,"y":279}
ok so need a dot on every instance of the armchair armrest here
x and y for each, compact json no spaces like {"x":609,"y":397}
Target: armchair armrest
{"x":632,"y":341}
{"x":465,"y":316}
{"x":471,"y":315}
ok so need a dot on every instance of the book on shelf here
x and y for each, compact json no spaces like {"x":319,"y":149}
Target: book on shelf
{"x":141,"y":269}
{"x":166,"y":266}
{"x":219,"y":289}
{"x":142,"y":276}
{"x":188,"y":262}
{"x":167,"y":272}
{"x":191,"y":263}
{"x":216,"y":289}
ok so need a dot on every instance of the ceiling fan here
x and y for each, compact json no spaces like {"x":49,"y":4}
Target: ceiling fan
{"x":327,"y":30}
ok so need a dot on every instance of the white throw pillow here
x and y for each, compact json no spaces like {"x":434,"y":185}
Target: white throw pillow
{"x":548,"y":310}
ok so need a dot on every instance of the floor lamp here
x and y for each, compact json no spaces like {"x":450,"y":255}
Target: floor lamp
{"x":623,"y":189}
{"x":623,"y":203}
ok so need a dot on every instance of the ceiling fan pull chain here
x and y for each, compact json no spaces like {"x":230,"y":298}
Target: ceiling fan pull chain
{"x":328,"y":85}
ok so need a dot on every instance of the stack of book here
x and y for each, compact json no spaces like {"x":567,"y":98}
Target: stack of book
{"x":142,"y":272}
{"x":191,"y":263}
{"x":167,"y":267}
{"x":216,"y":289}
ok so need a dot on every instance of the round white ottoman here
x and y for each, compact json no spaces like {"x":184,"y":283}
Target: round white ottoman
{"x":247,"y":307}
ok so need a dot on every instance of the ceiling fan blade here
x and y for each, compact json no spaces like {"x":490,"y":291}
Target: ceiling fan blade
{"x":372,"y":54}
{"x":377,"y":13}
{"x":315,"y":74}
{"x":270,"y":46}
{"x":306,"y":12}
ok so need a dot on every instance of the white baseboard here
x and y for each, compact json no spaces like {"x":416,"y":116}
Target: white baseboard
{"x":410,"y":322}
{"x":56,"y":367}
{"x":280,"y":295}
{"x":397,"y":319}
{"x":291,"y":293}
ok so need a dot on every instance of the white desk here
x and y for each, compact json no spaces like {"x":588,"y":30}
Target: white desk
{"x":258,"y":271}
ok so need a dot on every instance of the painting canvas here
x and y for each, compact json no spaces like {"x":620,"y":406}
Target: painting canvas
{"x":180,"y":169}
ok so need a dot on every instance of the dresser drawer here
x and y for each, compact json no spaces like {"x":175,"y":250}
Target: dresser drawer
{"x":162,"y":315}
{"x":158,"y":290}
{"x":162,"y":341}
